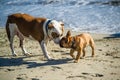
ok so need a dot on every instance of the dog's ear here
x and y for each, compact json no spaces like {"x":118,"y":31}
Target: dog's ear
{"x":68,"y":34}
{"x":50,"y":26}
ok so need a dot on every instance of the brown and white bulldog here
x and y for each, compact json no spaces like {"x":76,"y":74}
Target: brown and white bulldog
{"x":41,"y":29}
{"x":77,"y":43}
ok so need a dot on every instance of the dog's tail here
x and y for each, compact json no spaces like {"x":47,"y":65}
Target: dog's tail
{"x":7,"y":28}
{"x":9,"y":20}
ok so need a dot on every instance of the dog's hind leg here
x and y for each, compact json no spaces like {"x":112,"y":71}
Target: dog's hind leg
{"x":84,"y":52}
{"x":11,"y":35}
{"x":21,"y":38}
{"x":92,"y":45}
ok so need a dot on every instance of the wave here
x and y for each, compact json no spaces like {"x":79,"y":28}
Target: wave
{"x":62,"y":2}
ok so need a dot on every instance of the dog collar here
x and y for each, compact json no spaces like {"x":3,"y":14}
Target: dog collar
{"x":45,"y":28}
{"x":73,"y":42}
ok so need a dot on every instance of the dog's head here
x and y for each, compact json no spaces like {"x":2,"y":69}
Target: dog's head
{"x":55,"y":30}
{"x":67,"y":41}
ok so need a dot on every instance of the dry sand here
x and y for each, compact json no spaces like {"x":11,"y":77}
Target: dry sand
{"x":104,"y":66}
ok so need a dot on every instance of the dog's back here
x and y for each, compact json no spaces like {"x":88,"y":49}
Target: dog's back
{"x":86,"y":38}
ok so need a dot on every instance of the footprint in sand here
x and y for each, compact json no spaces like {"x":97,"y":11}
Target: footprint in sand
{"x":10,"y":69}
{"x":80,"y":76}
{"x":20,"y":78}
{"x":35,"y":79}
{"x":94,"y":74}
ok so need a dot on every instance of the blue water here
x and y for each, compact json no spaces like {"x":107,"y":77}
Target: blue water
{"x":95,"y":16}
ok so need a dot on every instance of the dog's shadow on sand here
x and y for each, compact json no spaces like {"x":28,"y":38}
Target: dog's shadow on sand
{"x":47,"y":63}
{"x":7,"y":62}
{"x":116,"y":35}
{"x":12,"y":61}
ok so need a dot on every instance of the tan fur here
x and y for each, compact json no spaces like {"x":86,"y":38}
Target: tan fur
{"x":77,"y":43}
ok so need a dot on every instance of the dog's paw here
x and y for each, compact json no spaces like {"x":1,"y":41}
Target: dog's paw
{"x":82,"y":57}
{"x":74,"y":58}
{"x":76,"y":61}
{"x":50,"y":59}
{"x":14,"y":55}
{"x":28,"y":54}
{"x":92,"y":55}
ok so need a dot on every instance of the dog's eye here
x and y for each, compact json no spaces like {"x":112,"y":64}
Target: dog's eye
{"x":61,"y":35}
{"x":54,"y":35}
{"x":66,"y":41}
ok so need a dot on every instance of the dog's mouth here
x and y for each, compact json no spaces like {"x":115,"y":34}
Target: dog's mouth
{"x":60,"y":45}
{"x":65,"y":45}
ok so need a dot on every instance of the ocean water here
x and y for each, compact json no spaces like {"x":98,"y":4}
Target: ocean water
{"x":95,"y":16}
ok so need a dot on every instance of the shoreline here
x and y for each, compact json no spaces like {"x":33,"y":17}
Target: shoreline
{"x":66,"y":29}
{"x":105,"y":65}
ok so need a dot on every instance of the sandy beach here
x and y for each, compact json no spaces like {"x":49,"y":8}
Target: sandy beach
{"x":104,"y":66}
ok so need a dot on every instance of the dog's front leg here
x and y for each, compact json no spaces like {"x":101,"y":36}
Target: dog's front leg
{"x":44,"y":49}
{"x":78,"y":56}
{"x":71,"y":53}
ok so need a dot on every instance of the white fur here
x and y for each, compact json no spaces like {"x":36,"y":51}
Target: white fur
{"x":57,"y":29}
{"x":44,"y":49}
{"x":13,"y":30}
{"x":57,"y":40}
{"x":45,"y":41}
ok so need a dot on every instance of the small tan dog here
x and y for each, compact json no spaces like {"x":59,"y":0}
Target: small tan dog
{"x":77,"y":43}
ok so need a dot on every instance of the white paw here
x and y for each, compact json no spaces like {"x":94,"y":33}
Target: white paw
{"x":15,"y":55}
{"x":27,"y":54}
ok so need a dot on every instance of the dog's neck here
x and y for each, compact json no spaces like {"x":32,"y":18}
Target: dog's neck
{"x":73,"y":43}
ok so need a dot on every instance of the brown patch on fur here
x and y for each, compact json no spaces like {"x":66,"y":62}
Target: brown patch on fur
{"x":27,"y":25}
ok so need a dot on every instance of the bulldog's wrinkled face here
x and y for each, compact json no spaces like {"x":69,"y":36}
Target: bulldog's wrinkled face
{"x":56,"y":30}
{"x":66,"y":41}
